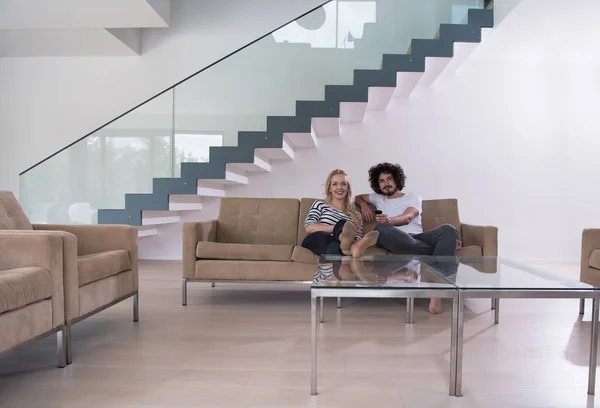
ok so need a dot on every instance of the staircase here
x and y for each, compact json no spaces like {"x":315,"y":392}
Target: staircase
{"x":372,"y":90}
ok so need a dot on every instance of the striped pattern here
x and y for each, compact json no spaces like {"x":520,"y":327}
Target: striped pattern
{"x":321,"y":213}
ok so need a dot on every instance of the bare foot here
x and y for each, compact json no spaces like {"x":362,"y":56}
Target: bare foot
{"x":347,"y":237}
{"x":435,"y":306}
{"x":368,"y":240}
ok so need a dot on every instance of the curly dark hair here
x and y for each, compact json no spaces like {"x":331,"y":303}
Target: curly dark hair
{"x":394,"y":169}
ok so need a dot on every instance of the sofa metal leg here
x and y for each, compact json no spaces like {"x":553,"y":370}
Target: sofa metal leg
{"x":136,"y":307}
{"x":69,"y":343}
{"x":212,"y":285}
{"x":321,"y":311}
{"x":339,"y":302}
{"x":581,"y":306}
{"x":184,"y":292}
{"x":61,"y":346}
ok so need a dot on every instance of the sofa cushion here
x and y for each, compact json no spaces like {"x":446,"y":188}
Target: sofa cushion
{"x":595,"y":259}
{"x":254,"y":270}
{"x":12,"y":216}
{"x":303,"y":255}
{"x":98,"y":266}
{"x":266,"y":221}
{"x":471,"y":250}
{"x":248,"y":252}
{"x":23,"y":286}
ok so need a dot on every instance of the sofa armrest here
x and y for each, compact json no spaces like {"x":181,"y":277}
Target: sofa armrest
{"x":484,"y":236}
{"x":192,"y":233}
{"x":42,"y":250}
{"x":590,"y":240}
{"x":70,"y":269}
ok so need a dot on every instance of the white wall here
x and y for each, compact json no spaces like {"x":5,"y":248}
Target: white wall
{"x":47,"y":103}
{"x":513,"y":134}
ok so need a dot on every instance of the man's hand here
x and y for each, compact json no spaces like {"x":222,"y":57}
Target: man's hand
{"x":382,"y":218}
{"x":367,"y":213}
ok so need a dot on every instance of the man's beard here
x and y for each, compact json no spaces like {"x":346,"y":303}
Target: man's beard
{"x":390,"y":192}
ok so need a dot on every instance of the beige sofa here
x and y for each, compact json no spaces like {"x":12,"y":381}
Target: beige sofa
{"x":590,"y":260}
{"x":259,"y":239}
{"x":98,"y":264}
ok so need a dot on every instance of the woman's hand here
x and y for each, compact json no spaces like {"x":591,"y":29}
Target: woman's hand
{"x":367,"y":212}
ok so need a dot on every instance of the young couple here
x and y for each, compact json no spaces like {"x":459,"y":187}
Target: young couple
{"x":334,"y":225}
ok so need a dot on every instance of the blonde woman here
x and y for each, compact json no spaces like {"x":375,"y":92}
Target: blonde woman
{"x":333,"y":225}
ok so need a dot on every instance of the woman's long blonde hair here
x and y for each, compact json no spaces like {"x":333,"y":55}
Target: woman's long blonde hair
{"x":349,"y":207}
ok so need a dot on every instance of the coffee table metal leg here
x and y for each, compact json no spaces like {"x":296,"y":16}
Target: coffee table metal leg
{"x":321,"y":311}
{"x":593,"y":348}
{"x":582,"y":306}
{"x":410,"y":310}
{"x":459,"y":344}
{"x":313,"y":345}
{"x":453,"y":330}
{"x":339,"y":302}
{"x":497,"y":311}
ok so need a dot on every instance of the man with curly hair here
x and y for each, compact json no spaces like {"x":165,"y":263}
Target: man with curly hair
{"x":399,"y":224}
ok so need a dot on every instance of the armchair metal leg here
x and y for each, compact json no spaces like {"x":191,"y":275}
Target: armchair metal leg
{"x":136,"y":308}
{"x":61,"y":346}
{"x":212,"y":285}
{"x":68,"y":343}
{"x":581,"y":306}
{"x":184,"y":292}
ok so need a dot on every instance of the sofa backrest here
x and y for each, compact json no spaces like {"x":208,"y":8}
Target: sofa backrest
{"x":267,"y":221}
{"x":305,"y":204}
{"x":442,"y":211}
{"x":12,"y":216}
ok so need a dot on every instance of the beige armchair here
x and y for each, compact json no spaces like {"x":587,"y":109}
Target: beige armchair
{"x":32,"y":302}
{"x":99,"y":262}
{"x":590,"y":260}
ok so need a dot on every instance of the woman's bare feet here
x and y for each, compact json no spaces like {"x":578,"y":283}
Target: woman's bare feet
{"x":347,"y":237}
{"x":435,"y":306}
{"x":359,"y":247}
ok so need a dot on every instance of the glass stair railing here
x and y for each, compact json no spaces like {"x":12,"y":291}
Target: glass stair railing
{"x":229,"y":120}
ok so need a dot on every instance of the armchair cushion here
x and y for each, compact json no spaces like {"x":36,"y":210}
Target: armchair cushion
{"x":23,"y":286}
{"x":595,"y":259}
{"x":95,"y":267}
{"x":247,"y":252}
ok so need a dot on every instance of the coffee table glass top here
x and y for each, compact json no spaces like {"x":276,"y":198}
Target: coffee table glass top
{"x":418,"y":272}
{"x":382,"y":272}
{"x":496,"y":273}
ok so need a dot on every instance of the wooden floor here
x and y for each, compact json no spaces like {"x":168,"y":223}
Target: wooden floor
{"x":249,"y":346}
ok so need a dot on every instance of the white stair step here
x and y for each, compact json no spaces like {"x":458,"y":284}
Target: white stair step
{"x":206,"y":191}
{"x":433,"y":68}
{"x":284,"y":153}
{"x":231,"y":178}
{"x":301,"y":140}
{"x":379,"y":98}
{"x":406,"y":83}
{"x":324,"y":127}
{"x":147,"y":231}
{"x":160,"y":217}
{"x":180,"y":202}
{"x":260,"y":165}
{"x":353,"y":112}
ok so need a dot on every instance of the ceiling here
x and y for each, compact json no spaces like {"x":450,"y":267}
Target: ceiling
{"x":51,"y":28}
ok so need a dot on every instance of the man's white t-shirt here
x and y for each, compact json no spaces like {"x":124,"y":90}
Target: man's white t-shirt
{"x":396,"y":206}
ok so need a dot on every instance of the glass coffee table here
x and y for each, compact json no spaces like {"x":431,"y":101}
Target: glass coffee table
{"x":458,"y":278}
{"x":380,"y":277}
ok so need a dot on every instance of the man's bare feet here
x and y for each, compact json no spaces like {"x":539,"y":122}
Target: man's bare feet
{"x":347,"y":237}
{"x":435,"y":306}
{"x":368,"y":240}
